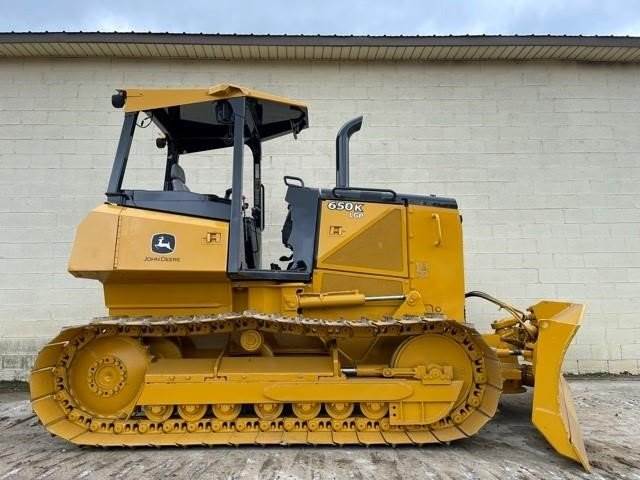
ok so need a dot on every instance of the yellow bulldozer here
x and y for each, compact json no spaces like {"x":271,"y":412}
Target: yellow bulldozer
{"x":357,"y":335}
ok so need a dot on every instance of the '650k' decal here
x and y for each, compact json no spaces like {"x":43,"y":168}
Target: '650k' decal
{"x":355,"y":209}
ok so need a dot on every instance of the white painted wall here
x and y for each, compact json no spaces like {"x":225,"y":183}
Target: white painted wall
{"x":542,"y":157}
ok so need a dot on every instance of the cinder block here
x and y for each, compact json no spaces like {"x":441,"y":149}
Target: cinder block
{"x":13,"y":375}
{"x":568,"y":260}
{"x":17,"y":362}
{"x":630,"y":351}
{"x":592,"y":366}
{"x":579,"y":352}
{"x":604,"y":351}
{"x":590,"y":335}
{"x":570,"y":366}
{"x":575,"y":292}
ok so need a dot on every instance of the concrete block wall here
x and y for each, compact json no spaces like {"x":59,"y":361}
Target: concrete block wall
{"x":542,"y":157}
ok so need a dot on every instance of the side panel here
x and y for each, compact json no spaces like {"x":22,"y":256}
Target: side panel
{"x":168,"y":264}
{"x":154,"y":298}
{"x":361,"y":246}
{"x":436,"y":267}
{"x":95,"y":243}
{"x":156,"y":241}
{"x":154,"y":263}
{"x":362,"y":237}
{"x":390,"y":249}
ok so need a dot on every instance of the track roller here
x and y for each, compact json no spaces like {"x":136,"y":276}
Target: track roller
{"x":339,"y":411}
{"x":158,"y":413}
{"x":192,"y":413}
{"x":226,"y":411}
{"x":374,"y":410}
{"x":306,"y":411}
{"x":268,"y":411}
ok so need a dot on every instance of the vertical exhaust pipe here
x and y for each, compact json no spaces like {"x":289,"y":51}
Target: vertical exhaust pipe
{"x":342,"y":151}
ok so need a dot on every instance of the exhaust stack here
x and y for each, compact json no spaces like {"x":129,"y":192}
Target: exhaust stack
{"x":342,"y":151}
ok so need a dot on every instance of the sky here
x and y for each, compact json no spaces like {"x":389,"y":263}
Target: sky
{"x":357,"y":17}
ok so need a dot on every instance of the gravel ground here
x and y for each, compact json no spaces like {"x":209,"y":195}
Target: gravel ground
{"x":507,"y":448}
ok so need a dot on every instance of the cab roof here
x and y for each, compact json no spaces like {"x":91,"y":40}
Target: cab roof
{"x":142,"y":99}
{"x":188,"y":116}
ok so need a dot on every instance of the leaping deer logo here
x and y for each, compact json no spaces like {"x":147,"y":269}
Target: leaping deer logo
{"x":163,"y":243}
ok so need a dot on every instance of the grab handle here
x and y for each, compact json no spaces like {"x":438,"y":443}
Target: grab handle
{"x":364,"y":193}
{"x":438,"y":241}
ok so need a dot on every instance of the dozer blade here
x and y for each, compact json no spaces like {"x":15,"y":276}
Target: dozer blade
{"x":554,"y":413}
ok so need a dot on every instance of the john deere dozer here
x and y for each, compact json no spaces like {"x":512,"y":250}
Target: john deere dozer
{"x":357,"y":335}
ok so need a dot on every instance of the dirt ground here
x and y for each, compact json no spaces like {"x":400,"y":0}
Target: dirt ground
{"x":507,"y":448}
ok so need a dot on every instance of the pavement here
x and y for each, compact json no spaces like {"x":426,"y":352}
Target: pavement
{"x":509,"y":447}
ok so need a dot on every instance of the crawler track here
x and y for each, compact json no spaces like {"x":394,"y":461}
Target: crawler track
{"x":57,"y":407}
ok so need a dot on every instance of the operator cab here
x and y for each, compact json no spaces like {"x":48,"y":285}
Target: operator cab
{"x":223,"y":116}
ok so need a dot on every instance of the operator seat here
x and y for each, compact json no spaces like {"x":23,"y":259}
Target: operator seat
{"x":299,"y":229}
{"x":178,"y":179}
{"x":287,"y":228}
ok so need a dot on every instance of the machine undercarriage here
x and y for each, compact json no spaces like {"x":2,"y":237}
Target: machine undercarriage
{"x":108,"y":377}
